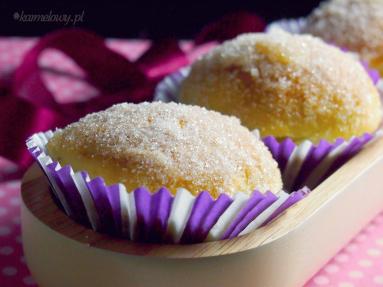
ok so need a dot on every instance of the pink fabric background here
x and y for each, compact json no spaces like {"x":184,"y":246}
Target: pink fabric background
{"x":359,"y":263}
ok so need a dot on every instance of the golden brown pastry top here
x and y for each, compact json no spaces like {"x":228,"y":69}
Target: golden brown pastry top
{"x":287,"y":86}
{"x":353,"y":24}
{"x":172,"y":145}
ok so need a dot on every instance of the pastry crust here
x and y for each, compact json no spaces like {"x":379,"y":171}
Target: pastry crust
{"x":356,"y":25}
{"x":287,"y":86}
{"x":171,"y":145}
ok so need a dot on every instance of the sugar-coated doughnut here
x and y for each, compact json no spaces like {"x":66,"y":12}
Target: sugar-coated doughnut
{"x":287,"y":86}
{"x":356,"y":25}
{"x":167,"y":144}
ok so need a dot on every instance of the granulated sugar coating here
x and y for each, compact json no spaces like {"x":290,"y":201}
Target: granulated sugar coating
{"x":171,"y":145}
{"x":353,"y":24}
{"x":286,"y":85}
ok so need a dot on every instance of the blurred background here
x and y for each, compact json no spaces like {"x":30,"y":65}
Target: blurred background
{"x":138,"y":19}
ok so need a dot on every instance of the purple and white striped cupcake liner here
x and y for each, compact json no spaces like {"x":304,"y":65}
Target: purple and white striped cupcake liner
{"x":161,"y":217}
{"x":143,"y":216}
{"x":308,"y":164}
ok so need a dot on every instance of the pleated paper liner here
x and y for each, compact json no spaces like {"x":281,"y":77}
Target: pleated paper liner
{"x":144,"y":216}
{"x":308,"y":164}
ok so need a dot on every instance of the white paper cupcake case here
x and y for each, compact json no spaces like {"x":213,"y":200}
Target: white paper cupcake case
{"x":143,"y":216}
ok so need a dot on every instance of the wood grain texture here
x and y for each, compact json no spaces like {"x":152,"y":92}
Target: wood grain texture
{"x":36,"y":195}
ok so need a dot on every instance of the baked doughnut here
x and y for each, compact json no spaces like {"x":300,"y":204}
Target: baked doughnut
{"x":356,"y":25}
{"x":286,"y":85}
{"x":167,"y":144}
